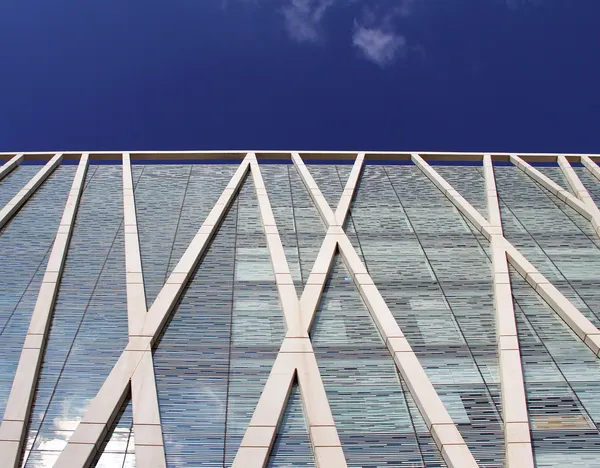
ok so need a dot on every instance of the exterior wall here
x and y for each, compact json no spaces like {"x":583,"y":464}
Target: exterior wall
{"x":224,"y":338}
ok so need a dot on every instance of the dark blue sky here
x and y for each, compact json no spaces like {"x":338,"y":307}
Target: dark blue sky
{"x":455,"y":75}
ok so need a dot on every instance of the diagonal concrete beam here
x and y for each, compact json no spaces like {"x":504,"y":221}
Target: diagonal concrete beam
{"x":591,"y":166}
{"x":517,"y":433}
{"x":99,"y":416}
{"x":13,"y":430}
{"x":552,"y":186}
{"x":11,"y":164}
{"x":580,"y":192}
{"x":585,"y":329}
{"x":444,"y":431}
{"x":28,"y":190}
{"x":296,"y":359}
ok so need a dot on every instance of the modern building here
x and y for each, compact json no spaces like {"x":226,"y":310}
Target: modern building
{"x":221,"y":309}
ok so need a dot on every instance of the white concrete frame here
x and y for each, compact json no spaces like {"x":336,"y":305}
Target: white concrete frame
{"x":147,"y":429}
{"x":11,"y":164}
{"x":580,"y":202}
{"x":28,"y":190}
{"x":99,"y":416}
{"x":517,"y":433}
{"x":296,"y":360}
{"x":583,"y":328}
{"x":445,"y":433}
{"x":13,"y":430}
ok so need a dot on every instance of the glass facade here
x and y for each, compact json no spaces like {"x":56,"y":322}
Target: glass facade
{"x":212,"y":359}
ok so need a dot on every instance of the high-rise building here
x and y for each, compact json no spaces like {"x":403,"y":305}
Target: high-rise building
{"x":299,"y":309}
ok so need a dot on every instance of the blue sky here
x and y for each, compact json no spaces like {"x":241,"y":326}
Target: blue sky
{"x":454,"y":75}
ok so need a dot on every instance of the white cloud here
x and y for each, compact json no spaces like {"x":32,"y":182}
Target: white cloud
{"x":379,"y":45}
{"x":303,"y":19}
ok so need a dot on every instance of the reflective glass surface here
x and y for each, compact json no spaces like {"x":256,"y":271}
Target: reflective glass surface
{"x":432,"y":267}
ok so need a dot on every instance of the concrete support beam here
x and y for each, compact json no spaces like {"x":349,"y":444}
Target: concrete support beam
{"x":13,"y":430}
{"x":28,"y":190}
{"x":591,"y":166}
{"x":11,"y":164}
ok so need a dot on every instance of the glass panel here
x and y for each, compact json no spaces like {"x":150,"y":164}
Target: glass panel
{"x":590,"y":182}
{"x":191,"y":361}
{"x":159,"y":195}
{"x":257,"y":328}
{"x":89,"y":329}
{"x":15,"y":181}
{"x":469,"y":182}
{"x":364,"y":390}
{"x":292,"y":445}
{"x":436,"y":279}
{"x":277,"y":180}
{"x":327,"y":178}
{"x":112,"y":454}
{"x":561,"y":376}
{"x":205,"y":185}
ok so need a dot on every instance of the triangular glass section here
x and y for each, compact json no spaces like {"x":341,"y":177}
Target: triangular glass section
{"x":277,"y":181}
{"x":590,"y":182}
{"x":469,"y":182}
{"x":172,"y":202}
{"x":310,"y":228}
{"x":119,"y":442}
{"x":89,"y":326}
{"x":365,"y":395}
{"x":205,"y":186}
{"x":555,"y":174}
{"x":292,"y":445}
{"x":257,"y":325}
{"x":159,"y":194}
{"x":329,"y":182}
{"x":561,"y":375}
{"x":15,"y":181}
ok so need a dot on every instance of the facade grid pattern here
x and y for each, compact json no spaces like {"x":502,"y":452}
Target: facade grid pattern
{"x":299,"y":309}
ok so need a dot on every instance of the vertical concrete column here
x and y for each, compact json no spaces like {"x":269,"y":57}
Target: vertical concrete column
{"x":20,"y":401}
{"x":28,"y":190}
{"x":517,"y":434}
{"x":147,"y":429}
